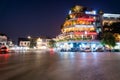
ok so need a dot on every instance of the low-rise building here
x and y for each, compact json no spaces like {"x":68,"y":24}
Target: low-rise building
{"x":109,"y":18}
{"x":24,"y":42}
{"x":3,"y":39}
{"x":33,"y":42}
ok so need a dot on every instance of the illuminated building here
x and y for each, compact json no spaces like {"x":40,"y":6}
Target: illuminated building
{"x":42,"y":43}
{"x":3,"y":39}
{"x":110,"y":18}
{"x":82,"y":28}
{"x":34,"y":42}
{"x":24,"y":42}
{"x":111,"y":23}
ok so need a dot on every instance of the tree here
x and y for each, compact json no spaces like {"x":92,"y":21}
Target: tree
{"x":52,"y":43}
{"x":108,"y":39}
{"x":32,"y":42}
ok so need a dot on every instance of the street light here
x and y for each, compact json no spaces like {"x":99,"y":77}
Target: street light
{"x":29,"y":37}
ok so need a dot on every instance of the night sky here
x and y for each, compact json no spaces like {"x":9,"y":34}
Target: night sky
{"x":22,"y":18}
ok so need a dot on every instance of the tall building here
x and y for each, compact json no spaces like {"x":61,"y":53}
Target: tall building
{"x":81,"y":29}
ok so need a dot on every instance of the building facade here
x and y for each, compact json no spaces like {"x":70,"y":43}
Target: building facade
{"x":3,"y":39}
{"x":81,"y":29}
{"x":109,"y":18}
{"x":111,"y":23}
{"x":34,"y":42}
{"x":24,"y":42}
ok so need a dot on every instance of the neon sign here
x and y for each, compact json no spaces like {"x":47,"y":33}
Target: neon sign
{"x":86,"y":19}
{"x":88,"y":33}
{"x":89,"y":26}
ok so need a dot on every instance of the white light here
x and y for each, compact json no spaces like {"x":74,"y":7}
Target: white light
{"x":29,"y":37}
{"x":83,"y":45}
{"x":111,"y":15}
{"x":70,"y":12}
{"x":71,"y":45}
{"x":84,"y":26}
{"x":85,"y":32}
{"x":93,"y":45}
{"x":90,"y":12}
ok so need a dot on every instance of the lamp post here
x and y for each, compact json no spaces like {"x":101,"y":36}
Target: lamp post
{"x":29,"y":37}
{"x":32,"y":41}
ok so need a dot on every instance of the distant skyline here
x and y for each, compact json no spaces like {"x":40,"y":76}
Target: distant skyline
{"x":22,"y":18}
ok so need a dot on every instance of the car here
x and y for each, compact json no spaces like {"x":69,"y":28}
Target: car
{"x":4,"y":49}
{"x":87,"y":50}
{"x":99,"y":50}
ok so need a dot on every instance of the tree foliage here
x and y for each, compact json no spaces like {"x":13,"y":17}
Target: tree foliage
{"x":108,"y":39}
{"x":52,"y":43}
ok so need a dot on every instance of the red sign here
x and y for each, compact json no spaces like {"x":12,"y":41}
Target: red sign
{"x":88,"y":33}
{"x":86,"y":19}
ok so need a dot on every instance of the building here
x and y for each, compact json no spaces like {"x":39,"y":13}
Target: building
{"x":111,"y":23}
{"x":3,"y":39}
{"x":42,"y":43}
{"x":109,"y":18}
{"x":81,"y":29}
{"x":24,"y":42}
{"x":34,"y":42}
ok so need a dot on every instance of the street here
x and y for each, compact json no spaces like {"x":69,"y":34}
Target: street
{"x":60,"y":66}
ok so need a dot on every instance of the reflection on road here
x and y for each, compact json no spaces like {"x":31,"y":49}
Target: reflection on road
{"x":50,"y":65}
{"x":4,"y":59}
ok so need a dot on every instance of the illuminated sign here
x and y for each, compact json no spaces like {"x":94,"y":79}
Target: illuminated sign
{"x":92,"y":33}
{"x":86,"y":19}
{"x":88,"y":33}
{"x":90,"y":12}
{"x":84,"y":26}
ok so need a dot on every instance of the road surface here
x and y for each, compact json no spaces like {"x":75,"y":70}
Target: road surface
{"x":60,"y":66}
